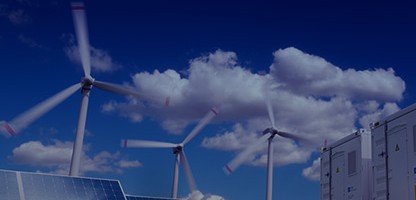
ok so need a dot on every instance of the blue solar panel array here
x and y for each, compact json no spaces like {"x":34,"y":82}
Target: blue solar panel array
{"x":130,"y":197}
{"x":50,"y":187}
{"x":33,"y":186}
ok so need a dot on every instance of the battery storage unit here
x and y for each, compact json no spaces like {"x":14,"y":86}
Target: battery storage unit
{"x":346,"y":168}
{"x":394,"y":156}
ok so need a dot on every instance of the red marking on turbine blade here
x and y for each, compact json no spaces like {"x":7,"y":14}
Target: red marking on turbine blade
{"x":228,"y":169}
{"x":125,"y":143}
{"x":77,"y":7}
{"x":214,"y":111}
{"x":10,"y":130}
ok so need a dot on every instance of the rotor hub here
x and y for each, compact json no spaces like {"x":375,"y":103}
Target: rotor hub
{"x":87,"y":83}
{"x":272,"y":131}
{"x":177,"y":149}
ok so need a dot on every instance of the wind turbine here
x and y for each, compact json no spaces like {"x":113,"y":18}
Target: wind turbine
{"x":268,"y":135}
{"x":87,"y":82}
{"x":178,"y":150}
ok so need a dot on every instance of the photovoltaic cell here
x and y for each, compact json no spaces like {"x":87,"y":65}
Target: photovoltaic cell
{"x":131,"y":197}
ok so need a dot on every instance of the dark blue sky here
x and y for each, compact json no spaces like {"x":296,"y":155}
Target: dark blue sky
{"x":147,"y":35}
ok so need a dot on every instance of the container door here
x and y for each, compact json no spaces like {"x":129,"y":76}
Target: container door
{"x":379,"y":163}
{"x":397,"y":163}
{"x":338,"y":176}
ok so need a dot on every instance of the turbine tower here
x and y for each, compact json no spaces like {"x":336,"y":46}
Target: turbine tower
{"x":87,"y":82}
{"x":268,"y":135}
{"x":178,"y":151}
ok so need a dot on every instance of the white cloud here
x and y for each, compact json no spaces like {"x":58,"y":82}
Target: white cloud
{"x":101,"y":61}
{"x":378,"y":114}
{"x":286,"y":151}
{"x":109,"y":106}
{"x":313,"y":172}
{"x":129,"y":163}
{"x":306,"y":74}
{"x":211,"y":82}
{"x":310,"y":96}
{"x":197,"y":195}
{"x":57,"y":158}
{"x":37,"y":154}
{"x":130,"y":109}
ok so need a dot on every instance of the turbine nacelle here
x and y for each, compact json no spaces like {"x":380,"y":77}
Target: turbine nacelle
{"x":272,"y":131}
{"x":177,"y":149}
{"x":87,"y":83}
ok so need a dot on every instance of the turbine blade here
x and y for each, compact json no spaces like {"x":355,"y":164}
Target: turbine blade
{"x":201,"y":124}
{"x":270,"y":111}
{"x":188,"y":173}
{"x":80,"y":23}
{"x":6,"y":129}
{"x":23,"y":120}
{"x":295,"y":137}
{"x":244,"y":155}
{"x":146,"y":144}
{"x":122,"y":90}
{"x":79,"y":137}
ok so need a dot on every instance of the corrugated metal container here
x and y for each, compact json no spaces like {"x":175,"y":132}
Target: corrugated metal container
{"x":346,"y":168}
{"x":394,"y":156}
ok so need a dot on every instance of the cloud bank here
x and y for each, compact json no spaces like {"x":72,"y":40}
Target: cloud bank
{"x":311,"y":97}
{"x":57,"y":158}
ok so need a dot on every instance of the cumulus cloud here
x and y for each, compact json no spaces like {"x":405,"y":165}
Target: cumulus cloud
{"x":242,"y":136}
{"x":197,"y":195}
{"x":313,"y":172}
{"x":306,"y":74}
{"x":212,"y":81}
{"x":311,"y":97}
{"x":57,"y":158}
{"x":101,"y":61}
{"x":378,"y":114}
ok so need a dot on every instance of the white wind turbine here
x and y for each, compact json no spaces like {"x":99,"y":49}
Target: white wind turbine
{"x":178,"y":150}
{"x":268,"y":134}
{"x":23,"y":120}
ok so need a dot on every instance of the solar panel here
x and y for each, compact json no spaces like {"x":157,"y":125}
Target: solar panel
{"x":33,"y":186}
{"x":130,"y":197}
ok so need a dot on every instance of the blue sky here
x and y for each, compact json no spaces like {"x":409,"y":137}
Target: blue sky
{"x":334,"y":67}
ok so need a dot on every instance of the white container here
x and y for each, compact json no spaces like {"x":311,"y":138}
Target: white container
{"x":394,"y":156}
{"x":346,"y":168}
